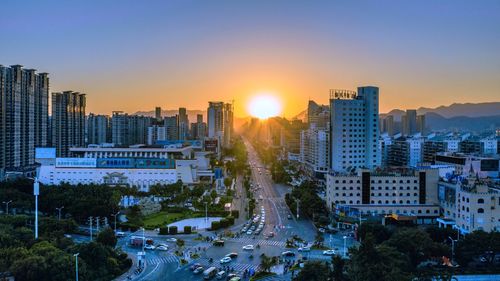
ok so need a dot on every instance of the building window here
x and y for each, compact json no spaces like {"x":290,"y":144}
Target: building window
{"x":480,"y":201}
{"x":480,"y":211}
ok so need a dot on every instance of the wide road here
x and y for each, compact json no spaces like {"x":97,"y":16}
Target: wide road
{"x":273,"y":200}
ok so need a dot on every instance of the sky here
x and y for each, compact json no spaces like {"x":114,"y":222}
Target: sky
{"x":135,"y":55}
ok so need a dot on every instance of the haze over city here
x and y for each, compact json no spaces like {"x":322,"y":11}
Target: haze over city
{"x":422,"y":53}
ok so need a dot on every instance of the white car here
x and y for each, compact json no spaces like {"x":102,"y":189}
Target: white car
{"x":162,"y":248}
{"x":250,"y":232}
{"x":329,"y":252}
{"x":149,"y":247}
{"x":304,"y":249}
{"x":248,"y":247}
{"x":172,"y":240}
{"x":225,"y":260}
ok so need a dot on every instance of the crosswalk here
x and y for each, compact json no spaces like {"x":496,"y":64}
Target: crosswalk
{"x":203,"y":245}
{"x":238,"y":267}
{"x":260,"y":242}
{"x":162,"y":259}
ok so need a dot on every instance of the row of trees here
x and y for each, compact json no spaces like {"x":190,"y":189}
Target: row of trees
{"x":407,"y":254}
{"x":310,"y":204}
{"x":51,"y":256}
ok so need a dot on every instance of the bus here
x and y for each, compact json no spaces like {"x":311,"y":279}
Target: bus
{"x":209,"y":273}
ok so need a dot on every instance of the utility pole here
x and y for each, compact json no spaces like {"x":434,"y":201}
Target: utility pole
{"x":76,"y":265}
{"x":7,"y":206}
{"x":59,"y":210}
{"x":114,"y":215}
{"x":90,"y":223}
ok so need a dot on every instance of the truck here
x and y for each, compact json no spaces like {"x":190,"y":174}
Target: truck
{"x":136,"y":241}
{"x":210,"y":273}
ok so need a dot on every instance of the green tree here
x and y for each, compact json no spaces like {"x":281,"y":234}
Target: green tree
{"x":107,"y":237}
{"x":180,"y":243}
{"x":266,"y":263}
{"x":314,"y":271}
{"x":338,"y":264}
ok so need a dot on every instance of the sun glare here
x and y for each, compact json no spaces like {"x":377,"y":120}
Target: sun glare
{"x":264,"y":106}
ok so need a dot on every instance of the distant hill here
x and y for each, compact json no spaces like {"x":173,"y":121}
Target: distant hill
{"x":454,"y":110}
{"x":437,"y":122}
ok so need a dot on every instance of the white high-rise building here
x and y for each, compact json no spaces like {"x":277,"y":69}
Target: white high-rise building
{"x":354,"y":129}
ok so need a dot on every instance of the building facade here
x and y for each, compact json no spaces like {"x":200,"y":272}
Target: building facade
{"x":68,"y":121}
{"x":354,"y":131}
{"x":98,"y":129}
{"x":24,"y":117}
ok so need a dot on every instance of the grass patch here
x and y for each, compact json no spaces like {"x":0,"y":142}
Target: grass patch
{"x":261,"y":274}
{"x":163,"y":218}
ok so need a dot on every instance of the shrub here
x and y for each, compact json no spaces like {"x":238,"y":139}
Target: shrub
{"x":230,"y":220}
{"x":235,"y":213}
{"x":215,"y":225}
{"x":224,"y":223}
{"x":172,"y":230}
{"x":163,"y":230}
{"x":187,"y":229}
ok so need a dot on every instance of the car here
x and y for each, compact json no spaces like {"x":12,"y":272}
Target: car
{"x":322,"y":230}
{"x":270,"y":234}
{"x":253,"y":228}
{"x":149,"y":247}
{"x":248,"y":248}
{"x":329,"y":252}
{"x":172,"y":239}
{"x":198,"y":270}
{"x":289,"y":216}
{"x":219,"y":243}
{"x":162,"y":248}
{"x":120,"y":234}
{"x":288,"y":254}
{"x":250,"y":232}
{"x":220,"y":275}
{"x":304,"y":249}
{"x":257,"y":232}
{"x":231,"y":275}
{"x":225,"y":260}
{"x":194,"y":266}
{"x":232,"y":255}
{"x":244,"y":229}
{"x":235,"y":278}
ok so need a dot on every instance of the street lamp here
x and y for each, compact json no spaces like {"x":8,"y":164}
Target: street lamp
{"x":7,"y":206}
{"x":298,"y":201}
{"x":76,"y":265}
{"x":345,"y":248}
{"x":452,"y":249}
{"x":36,"y":192}
{"x":114,"y":215}
{"x":59,"y":210}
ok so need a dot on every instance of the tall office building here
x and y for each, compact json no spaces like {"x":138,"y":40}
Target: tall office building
{"x":119,"y":128}
{"x":220,"y":122}
{"x":354,"y":132}
{"x":409,"y":122}
{"x":158,"y":114}
{"x":171,"y":129}
{"x":421,"y":124}
{"x":198,"y":129}
{"x":68,"y":121}
{"x":24,"y":97}
{"x":129,"y":129}
{"x":98,"y":129}
{"x":183,"y":125}
{"x":388,"y":125}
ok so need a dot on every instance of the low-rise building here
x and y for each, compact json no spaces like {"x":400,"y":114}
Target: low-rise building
{"x":408,"y":192}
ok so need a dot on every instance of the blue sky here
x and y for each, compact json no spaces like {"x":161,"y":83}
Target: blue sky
{"x":134,"y":55}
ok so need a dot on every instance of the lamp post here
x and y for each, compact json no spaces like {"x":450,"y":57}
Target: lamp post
{"x":76,"y":265}
{"x":7,"y":206}
{"x":59,"y":210}
{"x":143,"y":239}
{"x":452,"y":249}
{"x":345,"y":248}
{"x":298,"y":202}
{"x":114,"y":215}
{"x":36,"y":192}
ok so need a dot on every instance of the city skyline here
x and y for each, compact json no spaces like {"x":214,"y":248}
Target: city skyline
{"x":418,"y":54}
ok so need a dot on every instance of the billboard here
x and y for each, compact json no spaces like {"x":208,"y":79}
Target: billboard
{"x":154,"y":163}
{"x":76,"y":162}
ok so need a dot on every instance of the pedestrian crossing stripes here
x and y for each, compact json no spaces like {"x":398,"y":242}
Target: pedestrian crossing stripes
{"x":203,"y":245}
{"x":238,"y":267}
{"x":164,"y":259}
{"x":260,"y":242}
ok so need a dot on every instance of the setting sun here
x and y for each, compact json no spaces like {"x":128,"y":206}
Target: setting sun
{"x":264,"y":106}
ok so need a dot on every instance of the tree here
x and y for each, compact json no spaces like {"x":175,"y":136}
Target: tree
{"x":319,"y":239}
{"x":266,"y":263}
{"x":380,"y":233}
{"x":107,"y":237}
{"x":314,"y":271}
{"x":180,"y":243}
{"x":338,"y":265}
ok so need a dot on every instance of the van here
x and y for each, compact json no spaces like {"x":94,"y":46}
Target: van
{"x":209,"y":273}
